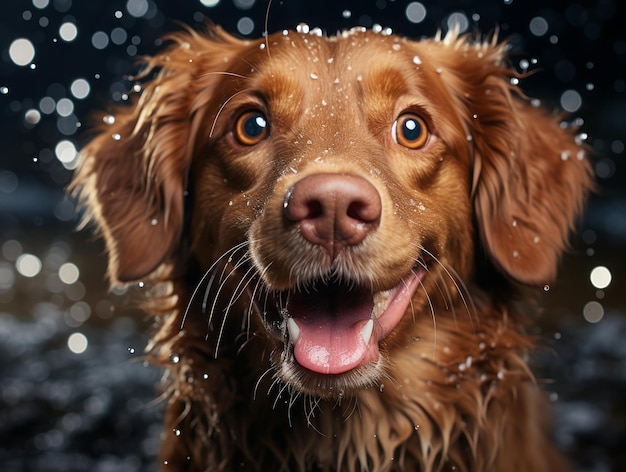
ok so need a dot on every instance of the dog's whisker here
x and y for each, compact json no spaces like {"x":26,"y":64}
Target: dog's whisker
{"x":258,"y":286}
{"x":224,"y":73}
{"x":433,"y":317}
{"x":219,"y":111}
{"x":237,"y":292}
{"x":208,"y":272}
{"x":293,"y":397}
{"x":458,"y":282}
{"x":216,"y":297}
{"x":310,"y":406}
{"x":269,"y":370}
{"x":266,"y":29}
{"x":281,"y":391}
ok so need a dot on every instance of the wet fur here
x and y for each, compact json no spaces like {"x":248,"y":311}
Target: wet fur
{"x":486,"y":208}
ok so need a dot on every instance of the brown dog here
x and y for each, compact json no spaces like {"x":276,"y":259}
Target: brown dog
{"x":335,"y":230}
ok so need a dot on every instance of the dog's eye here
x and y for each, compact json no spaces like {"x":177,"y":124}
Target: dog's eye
{"x":251,"y":128}
{"x":410,"y":131}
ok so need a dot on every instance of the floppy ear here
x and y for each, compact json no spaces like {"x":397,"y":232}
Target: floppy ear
{"x":531,"y":175}
{"x":131,"y":176}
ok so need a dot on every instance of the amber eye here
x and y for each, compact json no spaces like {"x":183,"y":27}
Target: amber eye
{"x":251,"y":128}
{"x":410,"y":131}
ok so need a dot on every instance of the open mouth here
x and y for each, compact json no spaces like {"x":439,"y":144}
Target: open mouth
{"x":334,"y":328}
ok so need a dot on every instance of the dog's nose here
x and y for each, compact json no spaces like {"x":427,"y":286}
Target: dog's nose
{"x":333,"y":210}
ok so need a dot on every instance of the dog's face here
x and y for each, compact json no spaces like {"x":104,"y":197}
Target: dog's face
{"x":329,"y":161}
{"x":337,"y":189}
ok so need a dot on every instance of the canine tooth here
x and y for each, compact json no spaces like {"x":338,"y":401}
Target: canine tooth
{"x":367,"y":331}
{"x":380,"y":302}
{"x":294,"y":330}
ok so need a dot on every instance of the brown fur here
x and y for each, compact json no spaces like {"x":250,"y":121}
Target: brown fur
{"x":484,"y":206}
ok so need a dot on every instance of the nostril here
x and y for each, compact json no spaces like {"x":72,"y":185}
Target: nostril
{"x":315,"y":209}
{"x":301,"y":206}
{"x":367,"y":212}
{"x":333,"y":210}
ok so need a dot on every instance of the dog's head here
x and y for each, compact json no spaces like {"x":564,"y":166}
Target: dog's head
{"x":338,"y":187}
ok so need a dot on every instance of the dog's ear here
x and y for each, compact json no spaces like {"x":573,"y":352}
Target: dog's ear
{"x":530,"y":172}
{"x":131,"y":176}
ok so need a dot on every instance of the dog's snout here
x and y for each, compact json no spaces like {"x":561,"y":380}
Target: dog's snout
{"x":333,"y":210}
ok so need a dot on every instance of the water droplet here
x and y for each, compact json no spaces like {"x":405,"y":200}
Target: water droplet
{"x":302,"y":28}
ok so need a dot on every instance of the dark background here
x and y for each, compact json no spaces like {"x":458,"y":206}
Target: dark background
{"x":92,"y":410}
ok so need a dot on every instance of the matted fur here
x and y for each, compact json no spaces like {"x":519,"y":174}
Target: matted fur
{"x":484,"y":207}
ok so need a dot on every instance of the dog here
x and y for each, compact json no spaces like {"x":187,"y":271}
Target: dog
{"x":335,"y":236}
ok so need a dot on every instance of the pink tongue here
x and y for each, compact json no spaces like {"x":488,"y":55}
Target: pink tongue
{"x":330,"y":322}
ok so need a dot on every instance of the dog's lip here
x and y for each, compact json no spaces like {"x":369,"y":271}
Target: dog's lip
{"x":335,"y":328}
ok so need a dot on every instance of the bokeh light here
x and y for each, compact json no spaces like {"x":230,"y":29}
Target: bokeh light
{"x":80,"y":88}
{"x":67,"y":154}
{"x":415,"y":12}
{"x":137,"y":8}
{"x":69,"y":273}
{"x":458,"y":22}
{"x":22,"y":52}
{"x":77,"y":343}
{"x":28,"y":265}
{"x":538,"y":26}
{"x":245,"y":25}
{"x":68,"y":31}
{"x":571,"y":101}
{"x":600,"y":277}
{"x":593,"y":312}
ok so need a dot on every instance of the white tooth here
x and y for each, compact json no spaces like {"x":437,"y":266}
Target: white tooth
{"x":366,"y":332}
{"x":294,"y":330}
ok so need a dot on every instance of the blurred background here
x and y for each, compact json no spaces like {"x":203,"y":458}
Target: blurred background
{"x":75,"y":394}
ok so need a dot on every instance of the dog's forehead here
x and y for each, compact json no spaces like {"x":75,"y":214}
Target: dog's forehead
{"x":351,"y":55}
{"x":346,"y":70}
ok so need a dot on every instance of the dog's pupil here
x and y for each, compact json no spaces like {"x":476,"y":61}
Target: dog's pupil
{"x":411,"y":129}
{"x":255,"y":125}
